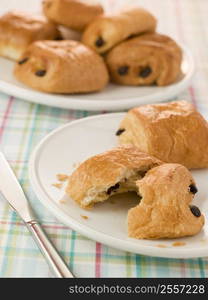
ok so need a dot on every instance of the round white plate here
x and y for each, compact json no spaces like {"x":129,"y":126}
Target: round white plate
{"x":113,"y":97}
{"x":69,"y":145}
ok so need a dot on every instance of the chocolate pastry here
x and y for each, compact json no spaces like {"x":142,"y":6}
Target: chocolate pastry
{"x":107,"y":30}
{"x":173,"y":132}
{"x":62,"y":67}
{"x":151,"y":58}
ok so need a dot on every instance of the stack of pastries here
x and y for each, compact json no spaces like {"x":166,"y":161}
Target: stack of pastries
{"x":157,"y":145}
{"x":123,"y":48}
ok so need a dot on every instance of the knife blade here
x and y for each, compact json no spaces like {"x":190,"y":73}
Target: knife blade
{"x":13,"y":193}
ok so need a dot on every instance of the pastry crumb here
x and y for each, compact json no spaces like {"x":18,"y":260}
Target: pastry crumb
{"x":85,"y":217}
{"x":62,"y":200}
{"x":57,"y":185}
{"x":161,"y":246}
{"x":62,"y":177}
{"x":178,"y":244}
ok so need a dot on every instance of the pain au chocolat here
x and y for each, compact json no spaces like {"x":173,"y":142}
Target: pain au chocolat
{"x":108,"y":30}
{"x":174,"y":132}
{"x":65,"y":67}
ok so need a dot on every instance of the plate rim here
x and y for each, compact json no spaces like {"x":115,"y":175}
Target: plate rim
{"x":122,"y":245}
{"x":31,"y":95}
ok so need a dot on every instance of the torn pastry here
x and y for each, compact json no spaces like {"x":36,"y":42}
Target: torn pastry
{"x":75,"y":14}
{"x":107,"y":174}
{"x":165,"y":209}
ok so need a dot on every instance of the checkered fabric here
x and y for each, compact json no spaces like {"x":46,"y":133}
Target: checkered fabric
{"x":24,"y":124}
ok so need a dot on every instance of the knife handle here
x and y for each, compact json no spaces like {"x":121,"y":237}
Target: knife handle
{"x":55,"y":262}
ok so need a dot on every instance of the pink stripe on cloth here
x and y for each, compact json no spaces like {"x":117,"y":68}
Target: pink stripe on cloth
{"x":193,"y":96}
{"x":98,"y":261}
{"x":5,"y":117}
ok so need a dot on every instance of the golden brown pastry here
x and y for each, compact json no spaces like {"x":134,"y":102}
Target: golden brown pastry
{"x":111,"y":172}
{"x":148,"y":59}
{"x":108,"y":30}
{"x":62,"y":67}
{"x":20,"y":29}
{"x":165,"y":192}
{"x":76,"y":14}
{"x":165,"y":209}
{"x":173,"y":132}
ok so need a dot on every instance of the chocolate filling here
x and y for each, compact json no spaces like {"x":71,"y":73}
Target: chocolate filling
{"x":99,"y":42}
{"x":40,"y":73}
{"x":193,"y":189}
{"x":112,"y":188}
{"x":195,"y":211}
{"x":145,"y":72}
{"x":58,"y":38}
{"x":143,"y":173}
{"x":24,"y":60}
{"x":120,"y":131}
{"x":123,"y":70}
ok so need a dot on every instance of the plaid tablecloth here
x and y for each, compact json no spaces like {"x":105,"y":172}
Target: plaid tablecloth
{"x":24,"y":124}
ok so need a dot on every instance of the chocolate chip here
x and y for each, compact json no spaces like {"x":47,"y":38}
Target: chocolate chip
{"x":58,"y":38}
{"x":40,"y":73}
{"x":123,"y":70}
{"x":193,"y":189}
{"x":142,"y":173}
{"x":120,"y":131}
{"x":99,"y":42}
{"x":22,"y":61}
{"x":113,"y":188}
{"x":145,"y":72}
{"x":195,"y":210}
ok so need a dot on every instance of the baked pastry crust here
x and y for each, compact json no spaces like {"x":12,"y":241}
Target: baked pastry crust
{"x":164,"y":210}
{"x":108,"y":30}
{"x":75,"y":14}
{"x":20,"y":29}
{"x":62,"y":67}
{"x":114,"y":171}
{"x":174,"y":132}
{"x":148,"y":59}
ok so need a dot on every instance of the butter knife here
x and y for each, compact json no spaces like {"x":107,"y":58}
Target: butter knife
{"x":13,"y":193}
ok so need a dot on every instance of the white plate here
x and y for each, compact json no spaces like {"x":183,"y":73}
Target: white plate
{"x":113,"y":97}
{"x":73,"y":143}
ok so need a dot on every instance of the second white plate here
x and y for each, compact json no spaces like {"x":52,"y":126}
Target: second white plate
{"x":106,"y":223}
